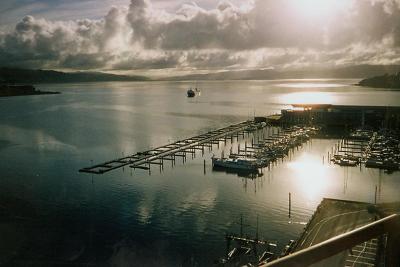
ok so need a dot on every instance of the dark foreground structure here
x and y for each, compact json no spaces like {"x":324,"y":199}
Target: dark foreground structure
{"x":341,"y":116}
{"x":347,"y":233}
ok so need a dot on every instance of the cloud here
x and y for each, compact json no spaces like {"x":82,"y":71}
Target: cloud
{"x":259,"y":34}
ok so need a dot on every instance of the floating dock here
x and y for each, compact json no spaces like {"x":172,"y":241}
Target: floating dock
{"x":169,"y":152}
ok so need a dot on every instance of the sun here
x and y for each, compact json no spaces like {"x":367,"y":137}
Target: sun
{"x":320,"y":9}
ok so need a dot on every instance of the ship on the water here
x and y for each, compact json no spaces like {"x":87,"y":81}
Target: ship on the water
{"x":191,"y":93}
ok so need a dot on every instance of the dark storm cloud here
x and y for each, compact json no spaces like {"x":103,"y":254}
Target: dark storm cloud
{"x":263,"y":33}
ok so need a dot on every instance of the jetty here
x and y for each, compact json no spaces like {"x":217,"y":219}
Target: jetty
{"x":169,"y":152}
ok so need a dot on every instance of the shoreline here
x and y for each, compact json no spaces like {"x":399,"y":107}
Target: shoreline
{"x":22,"y":90}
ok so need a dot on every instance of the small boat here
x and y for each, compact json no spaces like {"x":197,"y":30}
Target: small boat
{"x":191,"y":93}
{"x":346,"y":162}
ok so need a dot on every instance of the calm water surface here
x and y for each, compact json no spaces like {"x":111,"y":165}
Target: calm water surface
{"x":179,"y":216}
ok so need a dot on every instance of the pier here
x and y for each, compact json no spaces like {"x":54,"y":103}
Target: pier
{"x":169,"y":152}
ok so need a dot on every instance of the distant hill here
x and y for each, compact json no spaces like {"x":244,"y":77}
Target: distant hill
{"x":21,"y":90}
{"x":384,"y":81}
{"x":360,"y":71}
{"x":26,"y":76}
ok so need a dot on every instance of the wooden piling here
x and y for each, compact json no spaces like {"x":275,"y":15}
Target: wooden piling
{"x":290,"y":204}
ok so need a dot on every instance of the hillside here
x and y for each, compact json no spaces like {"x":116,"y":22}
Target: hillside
{"x":359,"y":71}
{"x":26,"y":76}
{"x":384,"y":81}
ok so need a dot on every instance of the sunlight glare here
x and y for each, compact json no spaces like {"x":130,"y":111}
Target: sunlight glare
{"x":308,"y":98}
{"x":320,"y":8}
{"x":309,"y":85}
{"x":310,"y":175}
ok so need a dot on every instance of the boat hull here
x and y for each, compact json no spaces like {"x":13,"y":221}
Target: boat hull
{"x":234,"y":165}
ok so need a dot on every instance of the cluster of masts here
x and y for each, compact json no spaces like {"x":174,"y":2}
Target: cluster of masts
{"x":247,"y":251}
{"x":374,"y":149}
{"x":265,"y":151}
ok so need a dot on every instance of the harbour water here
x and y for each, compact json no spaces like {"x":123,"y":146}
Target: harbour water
{"x":175,"y":217}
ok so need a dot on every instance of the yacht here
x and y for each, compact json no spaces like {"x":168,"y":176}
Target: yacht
{"x":235,"y":163}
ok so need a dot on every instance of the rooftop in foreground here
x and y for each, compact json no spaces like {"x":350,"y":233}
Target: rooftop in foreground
{"x":348,"y":233}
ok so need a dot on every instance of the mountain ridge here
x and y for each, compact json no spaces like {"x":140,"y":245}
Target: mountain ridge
{"x":17,"y":76}
{"x":30,"y":76}
{"x":359,"y":71}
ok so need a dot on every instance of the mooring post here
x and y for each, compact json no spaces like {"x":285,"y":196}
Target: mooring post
{"x":204,"y":166}
{"x":376,"y":193}
{"x":290,"y":204}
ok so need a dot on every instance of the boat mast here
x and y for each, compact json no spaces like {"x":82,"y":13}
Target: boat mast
{"x":241,"y":225}
{"x":257,"y":229}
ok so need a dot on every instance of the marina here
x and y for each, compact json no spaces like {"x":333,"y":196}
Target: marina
{"x":159,"y":213}
{"x":374,"y":149}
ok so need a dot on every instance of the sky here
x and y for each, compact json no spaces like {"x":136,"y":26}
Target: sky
{"x":204,"y":35}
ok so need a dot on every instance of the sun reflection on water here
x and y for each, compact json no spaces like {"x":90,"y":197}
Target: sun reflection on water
{"x":310,"y":175}
{"x":308,"y":98}
{"x":309,"y":85}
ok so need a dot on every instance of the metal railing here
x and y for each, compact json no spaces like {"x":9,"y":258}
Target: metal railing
{"x":314,"y":254}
